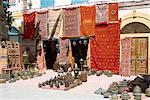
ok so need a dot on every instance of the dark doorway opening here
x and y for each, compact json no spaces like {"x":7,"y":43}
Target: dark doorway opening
{"x":79,"y":50}
{"x":50,"y":49}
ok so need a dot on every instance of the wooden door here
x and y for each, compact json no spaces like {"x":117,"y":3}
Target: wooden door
{"x":139,"y":56}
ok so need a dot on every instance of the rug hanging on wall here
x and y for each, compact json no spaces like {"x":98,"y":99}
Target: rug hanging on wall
{"x":42,"y":18}
{"x":113,"y":12}
{"x":87,"y":24}
{"x":102,"y":14}
{"x":105,"y":48}
{"x":71,"y":24}
{"x":29,"y":25}
{"x":126,"y":56}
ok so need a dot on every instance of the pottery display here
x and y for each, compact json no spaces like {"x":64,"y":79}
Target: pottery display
{"x":123,"y":85}
{"x":137,"y":93}
{"x":147,"y":92}
{"x":99,"y":72}
{"x":125,"y":95}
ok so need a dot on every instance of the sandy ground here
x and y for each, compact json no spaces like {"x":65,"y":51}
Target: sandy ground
{"x":28,"y":89}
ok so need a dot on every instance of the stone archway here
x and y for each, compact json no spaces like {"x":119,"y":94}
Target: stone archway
{"x":137,"y":26}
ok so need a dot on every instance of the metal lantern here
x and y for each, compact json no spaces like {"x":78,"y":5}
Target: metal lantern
{"x":81,"y":62}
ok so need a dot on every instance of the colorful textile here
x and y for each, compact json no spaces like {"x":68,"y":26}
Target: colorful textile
{"x":47,"y":3}
{"x":102,"y":14}
{"x":126,"y":57}
{"x":105,"y":48}
{"x":42,"y":17}
{"x":71,"y":24}
{"x":78,"y":1}
{"x":87,"y":27}
{"x":64,"y":51}
{"x":54,"y":23}
{"x":29,"y":26}
{"x":113,"y":12}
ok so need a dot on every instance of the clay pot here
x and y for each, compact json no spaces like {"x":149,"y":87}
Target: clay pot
{"x":122,"y":85}
{"x":147,"y":92}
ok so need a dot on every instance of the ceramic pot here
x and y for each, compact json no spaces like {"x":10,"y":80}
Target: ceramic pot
{"x":99,"y":72}
{"x":106,"y":94}
{"x":137,"y":93}
{"x":57,"y":83}
{"x":125,"y":95}
{"x":114,"y":97}
{"x":147,"y":92}
{"x":109,"y":73}
{"x":122,"y":85}
{"x":51,"y":83}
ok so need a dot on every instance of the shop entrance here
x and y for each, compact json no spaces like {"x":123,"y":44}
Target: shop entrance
{"x":79,"y":50}
{"x":139,"y":56}
{"x":50,"y":52}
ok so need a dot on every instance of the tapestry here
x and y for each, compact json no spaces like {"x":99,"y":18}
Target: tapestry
{"x":126,"y":57}
{"x":29,"y":26}
{"x":113,"y":12}
{"x":88,"y":14}
{"x":64,"y":51}
{"x":102,"y":14}
{"x":105,"y":47}
{"x":71,"y":22}
{"x":42,"y":18}
{"x":54,"y":23}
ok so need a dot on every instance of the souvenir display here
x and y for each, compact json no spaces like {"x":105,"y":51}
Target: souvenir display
{"x":114,"y":88}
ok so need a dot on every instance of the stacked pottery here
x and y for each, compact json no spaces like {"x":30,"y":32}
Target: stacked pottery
{"x":125,"y":95}
{"x":122,"y":85}
{"x":99,"y":72}
{"x":113,"y":88}
{"x":137,"y":93}
{"x":147,"y":92}
{"x":84,"y":76}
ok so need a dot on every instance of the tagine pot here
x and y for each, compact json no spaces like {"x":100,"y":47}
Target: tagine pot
{"x":99,"y":72}
{"x":147,"y":92}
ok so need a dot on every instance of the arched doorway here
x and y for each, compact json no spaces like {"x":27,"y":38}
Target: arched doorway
{"x":138,"y":58}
